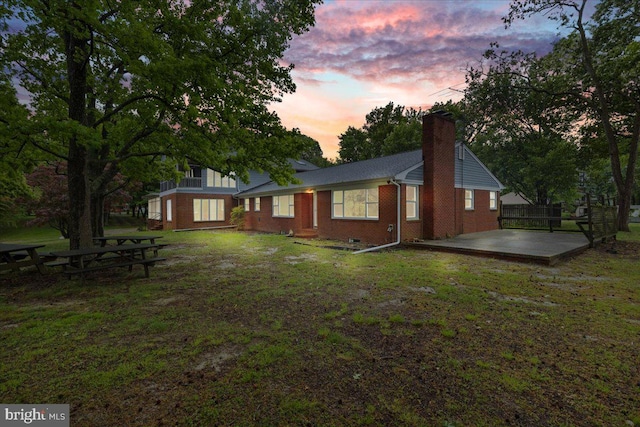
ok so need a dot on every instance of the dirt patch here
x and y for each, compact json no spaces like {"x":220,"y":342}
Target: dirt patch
{"x":520,"y":299}
{"x":217,"y":360}
{"x":620,"y":248}
{"x":293,"y":260}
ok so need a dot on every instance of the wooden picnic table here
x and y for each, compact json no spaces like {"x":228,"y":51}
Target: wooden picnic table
{"x":121,"y":240}
{"x":13,"y":256}
{"x":80,"y":261}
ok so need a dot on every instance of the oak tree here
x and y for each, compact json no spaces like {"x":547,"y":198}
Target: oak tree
{"x":117,"y":86}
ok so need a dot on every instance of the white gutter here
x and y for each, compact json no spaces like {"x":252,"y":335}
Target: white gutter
{"x":397,"y":242}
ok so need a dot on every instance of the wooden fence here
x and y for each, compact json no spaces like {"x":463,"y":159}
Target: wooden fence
{"x":531,"y":216}
{"x":600,"y":224}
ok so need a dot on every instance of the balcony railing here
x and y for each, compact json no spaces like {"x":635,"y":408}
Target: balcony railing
{"x":184,"y":183}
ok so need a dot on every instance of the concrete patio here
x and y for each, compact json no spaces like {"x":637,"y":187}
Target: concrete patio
{"x":518,"y":245}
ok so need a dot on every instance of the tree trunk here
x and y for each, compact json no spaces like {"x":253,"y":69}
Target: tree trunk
{"x":624,"y":209}
{"x":624,"y":184}
{"x":80,"y":235}
{"x":97,"y":214}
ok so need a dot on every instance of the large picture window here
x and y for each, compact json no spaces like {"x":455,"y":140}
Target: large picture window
{"x":283,"y":206}
{"x":208,"y":210}
{"x":412,"y":202}
{"x":355,"y":204}
{"x":215,"y":179}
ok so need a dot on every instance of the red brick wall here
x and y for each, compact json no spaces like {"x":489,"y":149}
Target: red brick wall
{"x":439,"y":196}
{"x":410,"y":229}
{"x":367,"y":231}
{"x":264,"y":221}
{"x":182,"y":206}
{"x":481,"y":218}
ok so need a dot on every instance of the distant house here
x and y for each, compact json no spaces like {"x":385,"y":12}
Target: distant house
{"x":204,"y":198}
{"x":513,"y":199}
{"x":439,"y":191}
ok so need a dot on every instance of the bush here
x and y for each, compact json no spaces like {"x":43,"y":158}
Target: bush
{"x":237,"y":217}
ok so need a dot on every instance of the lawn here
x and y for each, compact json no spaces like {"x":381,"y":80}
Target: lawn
{"x":253,"y":329}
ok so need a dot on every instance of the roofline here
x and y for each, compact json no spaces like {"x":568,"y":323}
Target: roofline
{"x":302,"y":188}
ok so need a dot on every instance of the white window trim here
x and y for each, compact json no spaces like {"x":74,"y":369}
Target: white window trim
{"x":493,"y":202}
{"x":472,"y":199}
{"x":213,"y":206}
{"x":256,"y":204}
{"x":247,"y":205}
{"x":415,"y":202}
{"x":216,"y":180}
{"x":367,"y":206}
{"x":169,"y":211}
{"x":291,"y":206}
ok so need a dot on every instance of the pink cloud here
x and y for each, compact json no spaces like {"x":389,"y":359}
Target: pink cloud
{"x":406,"y":52}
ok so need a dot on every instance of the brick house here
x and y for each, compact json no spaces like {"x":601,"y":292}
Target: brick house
{"x":440,"y":191}
{"x":204,"y":198}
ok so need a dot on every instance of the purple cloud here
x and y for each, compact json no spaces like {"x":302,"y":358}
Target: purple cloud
{"x":404,"y":41}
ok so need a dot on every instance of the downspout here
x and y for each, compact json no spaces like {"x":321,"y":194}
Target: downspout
{"x":397,"y":242}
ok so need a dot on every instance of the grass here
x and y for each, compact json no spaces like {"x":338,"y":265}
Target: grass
{"x":250,"y":329}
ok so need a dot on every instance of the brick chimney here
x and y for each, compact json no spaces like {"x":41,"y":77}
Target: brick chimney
{"x":439,"y":193}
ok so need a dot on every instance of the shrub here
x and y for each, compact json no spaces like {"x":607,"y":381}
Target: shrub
{"x":237,"y":217}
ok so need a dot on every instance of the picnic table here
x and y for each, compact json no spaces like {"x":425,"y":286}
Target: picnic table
{"x":13,"y":256}
{"x":80,"y":261}
{"x":121,"y":240}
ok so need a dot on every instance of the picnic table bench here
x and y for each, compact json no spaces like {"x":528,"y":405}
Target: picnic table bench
{"x":13,"y":256}
{"x":81,"y":261}
{"x":121,"y":240}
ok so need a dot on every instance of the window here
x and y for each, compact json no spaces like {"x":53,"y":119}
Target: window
{"x":169,"y":212}
{"x":155,"y":209}
{"x":208,"y":210}
{"x":215,"y":179}
{"x":246,"y":205}
{"x":356,"y":204}
{"x":283,"y":206}
{"x":468,"y":200}
{"x":412,"y":202}
{"x":493,"y":200}
{"x":256,"y":204}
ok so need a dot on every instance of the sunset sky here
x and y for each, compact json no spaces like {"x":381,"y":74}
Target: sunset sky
{"x":363,"y":54}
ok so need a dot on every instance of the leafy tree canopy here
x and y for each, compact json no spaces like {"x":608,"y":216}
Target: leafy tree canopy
{"x":519,"y":132}
{"x":312,"y":152}
{"x":13,"y":185}
{"x":114,"y":86}
{"x":594,"y":75}
{"x":387,"y":130}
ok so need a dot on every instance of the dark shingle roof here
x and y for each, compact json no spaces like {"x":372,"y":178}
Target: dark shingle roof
{"x":366,"y":170}
{"x":259,"y":178}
